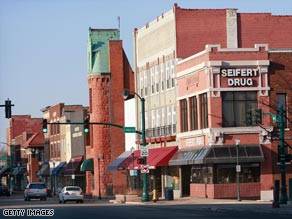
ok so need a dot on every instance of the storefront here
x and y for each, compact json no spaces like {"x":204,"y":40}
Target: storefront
{"x":221,"y":96}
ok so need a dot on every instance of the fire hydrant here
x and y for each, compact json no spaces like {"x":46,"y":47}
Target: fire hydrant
{"x":154,"y":198}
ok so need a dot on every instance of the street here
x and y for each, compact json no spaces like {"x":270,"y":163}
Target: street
{"x":103,"y":209}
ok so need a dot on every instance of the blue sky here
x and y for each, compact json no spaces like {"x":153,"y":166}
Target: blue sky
{"x":43,"y":43}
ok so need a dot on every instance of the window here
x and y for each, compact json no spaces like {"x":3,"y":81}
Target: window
{"x":174,"y":119}
{"x":204,"y":111}
{"x":141,"y":83}
{"x":183,"y":115}
{"x":172,"y":73}
{"x":235,"y":105}
{"x":281,"y":101}
{"x":152,"y":80}
{"x":168,"y":79}
{"x":162,"y":72}
{"x":157,"y":78}
{"x":225,"y":173}
{"x":145,"y":83}
{"x":202,"y":174}
{"x":194,"y":113}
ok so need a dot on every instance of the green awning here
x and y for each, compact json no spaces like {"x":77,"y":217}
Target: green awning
{"x":87,"y":165}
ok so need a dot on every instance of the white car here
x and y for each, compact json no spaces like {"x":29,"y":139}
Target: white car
{"x":71,"y":193}
{"x":36,"y":190}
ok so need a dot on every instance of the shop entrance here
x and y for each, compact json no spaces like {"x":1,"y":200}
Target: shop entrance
{"x":185,"y":177}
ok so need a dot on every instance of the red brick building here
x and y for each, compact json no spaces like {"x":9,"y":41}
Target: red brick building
{"x":109,"y":72}
{"x":186,"y":59}
{"x":27,"y":142}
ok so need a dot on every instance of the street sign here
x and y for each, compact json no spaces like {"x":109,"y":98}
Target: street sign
{"x":144,"y":151}
{"x":144,"y":168}
{"x":238,"y":168}
{"x":129,"y":129}
{"x":133,"y":172}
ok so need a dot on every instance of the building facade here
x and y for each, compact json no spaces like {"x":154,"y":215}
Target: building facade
{"x":192,"y":66}
{"x":109,"y":72}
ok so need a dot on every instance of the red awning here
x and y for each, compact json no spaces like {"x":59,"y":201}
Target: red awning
{"x":157,"y":157}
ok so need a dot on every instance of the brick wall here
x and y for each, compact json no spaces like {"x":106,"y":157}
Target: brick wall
{"x":247,"y":190}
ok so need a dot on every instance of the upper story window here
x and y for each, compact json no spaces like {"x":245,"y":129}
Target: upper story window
{"x":193,"y":113}
{"x":204,"y":111}
{"x":162,"y":75}
{"x":235,"y":105}
{"x":183,"y":115}
{"x":281,"y":101}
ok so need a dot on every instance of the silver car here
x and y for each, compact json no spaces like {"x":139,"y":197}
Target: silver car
{"x":36,"y":190}
{"x":71,"y":193}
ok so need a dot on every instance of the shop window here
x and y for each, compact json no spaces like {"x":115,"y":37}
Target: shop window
{"x":202,"y":174}
{"x":235,"y":106}
{"x":226,"y":173}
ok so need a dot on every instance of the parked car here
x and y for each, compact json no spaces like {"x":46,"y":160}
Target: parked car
{"x":36,"y":190}
{"x":4,"y":190}
{"x":71,"y":193}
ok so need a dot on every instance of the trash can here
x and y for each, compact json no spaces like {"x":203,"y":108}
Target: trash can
{"x":168,"y":193}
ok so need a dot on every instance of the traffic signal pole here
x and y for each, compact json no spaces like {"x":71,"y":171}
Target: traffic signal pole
{"x":284,"y":196}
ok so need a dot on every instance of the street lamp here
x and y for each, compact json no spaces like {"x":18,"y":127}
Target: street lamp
{"x":73,"y":176}
{"x":54,"y":187}
{"x":98,"y":159}
{"x":133,"y":175}
{"x":127,"y":95}
{"x":238,"y":169}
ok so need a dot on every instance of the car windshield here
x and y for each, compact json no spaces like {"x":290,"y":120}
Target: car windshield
{"x":72,"y":189}
{"x":37,"y":186}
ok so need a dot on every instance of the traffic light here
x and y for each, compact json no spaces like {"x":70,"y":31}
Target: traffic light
{"x":86,"y":125}
{"x":8,"y":109}
{"x":248,"y":118}
{"x":258,"y":116}
{"x":45,"y":126}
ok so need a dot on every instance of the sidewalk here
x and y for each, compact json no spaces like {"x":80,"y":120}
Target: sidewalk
{"x":230,"y":204}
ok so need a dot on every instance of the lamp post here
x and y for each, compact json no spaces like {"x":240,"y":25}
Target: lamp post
{"x":238,"y":169}
{"x":127,"y":95}
{"x":133,"y":175}
{"x":54,"y":187}
{"x":98,"y":159}
{"x":73,"y":176}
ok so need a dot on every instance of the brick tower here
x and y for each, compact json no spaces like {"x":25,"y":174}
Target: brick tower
{"x":109,"y":72}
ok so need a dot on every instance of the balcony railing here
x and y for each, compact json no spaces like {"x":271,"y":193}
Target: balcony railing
{"x":160,"y":131}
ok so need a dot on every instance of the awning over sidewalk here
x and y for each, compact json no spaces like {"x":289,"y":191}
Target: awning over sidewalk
{"x":87,"y":165}
{"x":116,"y":164}
{"x":157,"y":157}
{"x":73,"y":167}
{"x":218,"y":154}
{"x":44,"y":171}
{"x":58,"y":168}
{"x":5,"y":170}
{"x":18,"y":171}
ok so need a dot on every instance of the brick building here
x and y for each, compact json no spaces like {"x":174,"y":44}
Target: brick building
{"x":109,"y":72}
{"x":180,"y":55}
{"x":26,"y":140}
{"x":64,"y":147}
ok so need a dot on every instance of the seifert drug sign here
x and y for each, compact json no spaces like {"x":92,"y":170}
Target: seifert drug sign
{"x":237,"y":77}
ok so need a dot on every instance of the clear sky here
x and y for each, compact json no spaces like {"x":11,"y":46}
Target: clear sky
{"x":43,"y":43}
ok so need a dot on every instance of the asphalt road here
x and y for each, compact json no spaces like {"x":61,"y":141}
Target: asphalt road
{"x":106,"y":210}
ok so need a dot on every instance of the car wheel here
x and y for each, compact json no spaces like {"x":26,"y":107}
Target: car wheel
{"x":28,"y":199}
{"x":63,"y":201}
{"x":81,"y":201}
{"x":25,"y":199}
{"x":45,"y":198}
{"x":77,"y":202}
{"x":60,"y":201}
